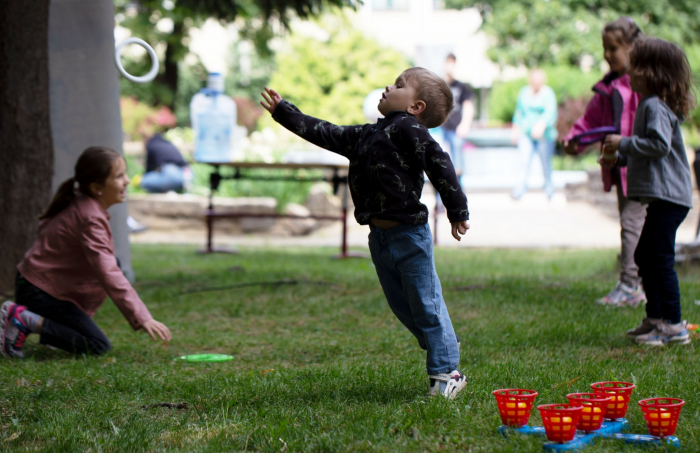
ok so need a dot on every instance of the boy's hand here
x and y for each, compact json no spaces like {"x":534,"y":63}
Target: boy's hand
{"x":459,"y":229}
{"x":612,"y":143}
{"x":273,"y":99}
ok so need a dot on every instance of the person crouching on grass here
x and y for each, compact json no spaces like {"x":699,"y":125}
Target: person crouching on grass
{"x":66,"y":275}
{"x":387,"y":162}
{"x":658,"y":175}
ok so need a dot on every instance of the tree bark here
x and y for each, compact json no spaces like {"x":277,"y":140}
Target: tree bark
{"x":26,"y":151}
{"x":173,"y":53}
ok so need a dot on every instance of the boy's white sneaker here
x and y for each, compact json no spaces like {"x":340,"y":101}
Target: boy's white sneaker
{"x":447,"y":384}
{"x":666,"y":333}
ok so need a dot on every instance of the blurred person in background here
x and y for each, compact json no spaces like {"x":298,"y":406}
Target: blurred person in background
{"x":534,"y":129}
{"x":456,"y":128}
{"x":166,"y":169}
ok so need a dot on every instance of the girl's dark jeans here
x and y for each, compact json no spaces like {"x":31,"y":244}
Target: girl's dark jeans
{"x":65,"y":326}
{"x":655,"y":255}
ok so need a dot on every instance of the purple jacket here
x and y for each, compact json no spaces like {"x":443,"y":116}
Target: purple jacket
{"x":614,"y":104}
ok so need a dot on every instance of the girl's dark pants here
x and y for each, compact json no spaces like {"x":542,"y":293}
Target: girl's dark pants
{"x":655,"y":255}
{"x":65,"y":326}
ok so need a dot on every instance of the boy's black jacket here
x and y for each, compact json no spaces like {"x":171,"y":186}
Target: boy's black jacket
{"x":387,"y":161}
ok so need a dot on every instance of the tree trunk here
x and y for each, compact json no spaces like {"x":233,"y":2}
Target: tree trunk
{"x":26,"y":151}
{"x":173,"y":54}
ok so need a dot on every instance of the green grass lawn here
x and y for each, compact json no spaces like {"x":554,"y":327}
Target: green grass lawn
{"x":326,"y":367}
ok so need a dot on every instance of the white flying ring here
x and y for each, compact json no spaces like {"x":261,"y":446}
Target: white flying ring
{"x":152,"y":53}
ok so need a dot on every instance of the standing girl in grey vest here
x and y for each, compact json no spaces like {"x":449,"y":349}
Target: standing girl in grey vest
{"x":658,"y":175}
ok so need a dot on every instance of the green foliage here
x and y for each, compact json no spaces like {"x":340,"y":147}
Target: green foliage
{"x":537,"y":32}
{"x":566,"y":81}
{"x":134,"y":114}
{"x":143,"y":17}
{"x":191,"y":80}
{"x":330,"y":78}
{"x":693,"y":53}
{"x":248,"y":82}
{"x":324,"y":366}
{"x":139,"y":117}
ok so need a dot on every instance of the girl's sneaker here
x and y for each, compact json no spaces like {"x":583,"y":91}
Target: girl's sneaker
{"x":447,"y":385}
{"x":666,"y":333}
{"x":623,"y":296}
{"x":648,"y":325}
{"x":14,"y":331}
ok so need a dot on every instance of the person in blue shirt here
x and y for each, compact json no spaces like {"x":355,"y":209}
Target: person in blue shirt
{"x":534,"y":129}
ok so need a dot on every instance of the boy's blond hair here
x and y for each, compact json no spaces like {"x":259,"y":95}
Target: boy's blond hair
{"x":436,"y":94}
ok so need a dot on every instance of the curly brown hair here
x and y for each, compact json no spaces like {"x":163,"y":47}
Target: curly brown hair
{"x":436,"y":94}
{"x":665,"y":69}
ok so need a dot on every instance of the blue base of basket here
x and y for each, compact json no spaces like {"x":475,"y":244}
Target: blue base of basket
{"x":646,"y":439}
{"x":609,"y":429}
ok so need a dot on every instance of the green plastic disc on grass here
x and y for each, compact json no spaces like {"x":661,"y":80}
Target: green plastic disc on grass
{"x":205,"y":358}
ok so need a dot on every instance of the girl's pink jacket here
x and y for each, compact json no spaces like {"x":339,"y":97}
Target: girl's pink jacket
{"x":73,"y":259}
{"x":614,"y":104}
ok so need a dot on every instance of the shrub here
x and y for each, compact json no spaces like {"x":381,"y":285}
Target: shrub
{"x":330,"y":78}
{"x":138,"y":116}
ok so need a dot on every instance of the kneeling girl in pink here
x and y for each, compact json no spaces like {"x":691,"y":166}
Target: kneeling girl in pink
{"x":71,"y":268}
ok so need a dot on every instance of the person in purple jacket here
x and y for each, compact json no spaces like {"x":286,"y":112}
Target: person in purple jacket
{"x":615,"y":104}
{"x":387,"y":163}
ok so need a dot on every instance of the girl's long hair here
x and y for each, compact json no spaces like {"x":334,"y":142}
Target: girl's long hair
{"x":93,"y":166}
{"x":666,"y":71}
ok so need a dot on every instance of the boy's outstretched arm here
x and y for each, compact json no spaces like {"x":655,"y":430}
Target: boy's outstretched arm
{"x":342,"y":140}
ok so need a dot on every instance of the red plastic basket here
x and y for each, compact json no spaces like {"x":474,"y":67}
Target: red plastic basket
{"x":594,"y":407}
{"x":515,"y":405}
{"x":661,"y":415}
{"x":620,"y":391}
{"x":560,"y":421}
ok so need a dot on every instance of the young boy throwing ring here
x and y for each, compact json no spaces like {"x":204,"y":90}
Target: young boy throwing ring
{"x":387,"y":162}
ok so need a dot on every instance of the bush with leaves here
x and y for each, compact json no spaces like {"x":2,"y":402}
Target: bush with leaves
{"x":330,"y":78}
{"x":139,"y":117}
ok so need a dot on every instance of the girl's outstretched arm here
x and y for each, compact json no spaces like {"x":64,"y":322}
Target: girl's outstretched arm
{"x":153,"y":328}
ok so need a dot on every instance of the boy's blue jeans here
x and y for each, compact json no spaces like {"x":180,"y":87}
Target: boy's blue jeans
{"x":403,"y":257}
